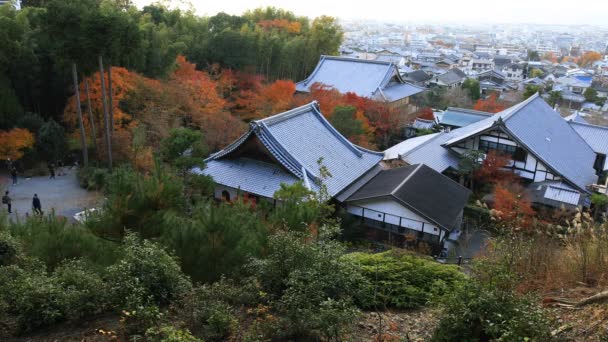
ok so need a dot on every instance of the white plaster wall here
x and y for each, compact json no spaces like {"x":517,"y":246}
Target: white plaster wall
{"x":375,"y":208}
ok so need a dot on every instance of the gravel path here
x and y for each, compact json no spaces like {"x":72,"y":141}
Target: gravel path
{"x":62,"y":194}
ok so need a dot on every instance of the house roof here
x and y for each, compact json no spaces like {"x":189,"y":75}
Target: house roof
{"x":421,"y":189}
{"x":536,"y":126}
{"x":595,"y":136}
{"x":406,"y":146}
{"x":373,"y":79}
{"x":450,"y":77}
{"x":418,"y":76}
{"x":460,"y":117}
{"x":297,"y":139}
{"x":426,"y":149}
{"x":492,"y":73}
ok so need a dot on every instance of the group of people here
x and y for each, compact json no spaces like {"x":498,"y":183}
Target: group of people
{"x":36,"y":205}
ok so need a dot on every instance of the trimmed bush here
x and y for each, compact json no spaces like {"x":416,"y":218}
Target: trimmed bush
{"x":400,"y":280}
{"x":146,"y":275}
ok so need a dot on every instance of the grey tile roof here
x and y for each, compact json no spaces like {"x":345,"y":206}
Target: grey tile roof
{"x":460,"y":117}
{"x":418,"y":76}
{"x":595,"y":136}
{"x":431,"y":153}
{"x":372,"y":79}
{"x":450,"y":77}
{"x":406,"y":146}
{"x":248,"y":175}
{"x":296,"y":139}
{"x":545,"y":134}
{"x":422,"y":189}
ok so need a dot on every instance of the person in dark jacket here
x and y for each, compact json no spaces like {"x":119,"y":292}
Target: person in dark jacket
{"x":36,"y":205}
{"x":52,"y":170}
{"x":14,"y":175}
{"x":8,"y":201}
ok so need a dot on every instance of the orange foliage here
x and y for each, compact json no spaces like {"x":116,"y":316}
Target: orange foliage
{"x":550,"y":56}
{"x":123,"y":81}
{"x":14,"y":142}
{"x":492,"y":169}
{"x":490,"y":104}
{"x":588,"y":58}
{"x":512,"y":206}
{"x":254,"y":100}
{"x":281,"y":24}
{"x":380,"y":120}
{"x":198,"y":89}
{"x":425,"y":114}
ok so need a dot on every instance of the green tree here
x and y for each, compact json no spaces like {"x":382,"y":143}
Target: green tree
{"x":51,"y":141}
{"x":555,"y":97}
{"x":536,"y":73}
{"x":344,"y":120}
{"x":530,"y":90}
{"x":533,"y":56}
{"x":590,"y":95}
{"x":472,"y":86}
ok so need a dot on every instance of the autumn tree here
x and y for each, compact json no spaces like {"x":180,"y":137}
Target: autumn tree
{"x":512,"y":208}
{"x":588,"y":58}
{"x":14,"y":143}
{"x":492,"y":169}
{"x":491,"y":104}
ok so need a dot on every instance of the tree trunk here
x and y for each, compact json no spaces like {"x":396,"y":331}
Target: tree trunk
{"x":111,"y":105}
{"x":105,"y":113}
{"x":91,"y":120}
{"x":83,"y":137}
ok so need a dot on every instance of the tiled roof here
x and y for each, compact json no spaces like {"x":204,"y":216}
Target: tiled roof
{"x":422,"y":189}
{"x":406,"y":146}
{"x":249,"y":175}
{"x":427,"y":150}
{"x":297,"y":139}
{"x":372,"y":79}
{"x":595,"y":136}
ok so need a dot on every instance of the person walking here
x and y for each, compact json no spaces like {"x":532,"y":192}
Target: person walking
{"x":7,"y":200}
{"x":14,"y":175}
{"x":36,"y":205}
{"x":52,"y":171}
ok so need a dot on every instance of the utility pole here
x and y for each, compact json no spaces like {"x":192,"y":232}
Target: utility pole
{"x":83,"y":137}
{"x":105,"y":113}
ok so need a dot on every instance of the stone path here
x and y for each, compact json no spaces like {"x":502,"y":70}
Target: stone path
{"x":62,"y":194}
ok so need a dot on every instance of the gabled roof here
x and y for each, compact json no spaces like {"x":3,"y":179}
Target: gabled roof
{"x":492,"y":73}
{"x":426,"y":149}
{"x":373,"y":79}
{"x":418,"y":76}
{"x":595,"y":136}
{"x":536,"y":126}
{"x":421,"y":189}
{"x":297,"y":139}
{"x":460,"y":117}
{"x":450,"y":77}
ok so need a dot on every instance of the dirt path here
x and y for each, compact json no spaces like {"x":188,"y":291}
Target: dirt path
{"x":62,"y":194}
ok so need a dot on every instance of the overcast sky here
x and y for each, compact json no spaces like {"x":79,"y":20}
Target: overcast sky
{"x":594,"y":12}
